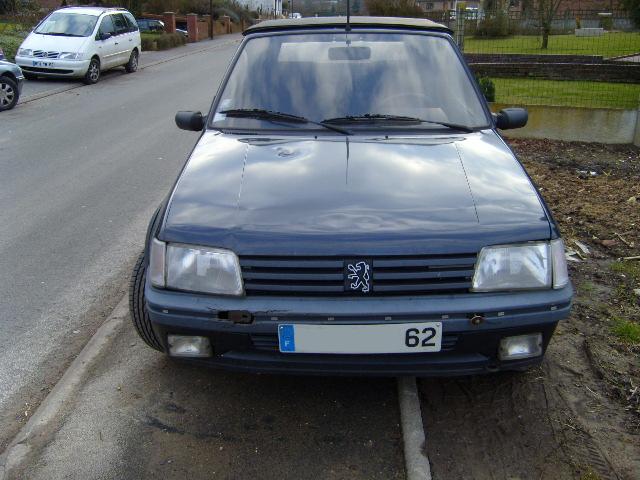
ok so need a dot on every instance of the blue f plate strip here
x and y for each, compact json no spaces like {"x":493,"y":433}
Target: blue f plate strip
{"x":286,"y":334}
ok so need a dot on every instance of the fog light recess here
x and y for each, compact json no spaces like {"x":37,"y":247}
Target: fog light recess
{"x":521,"y":346}
{"x":189,"y":346}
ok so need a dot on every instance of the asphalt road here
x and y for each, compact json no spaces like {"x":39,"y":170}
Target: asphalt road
{"x":81,"y":172}
{"x":80,"y":175}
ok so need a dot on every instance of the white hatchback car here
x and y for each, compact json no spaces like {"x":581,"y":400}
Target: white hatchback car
{"x":81,"y":42}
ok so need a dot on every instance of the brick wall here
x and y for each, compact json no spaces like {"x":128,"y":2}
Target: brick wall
{"x":605,"y":72}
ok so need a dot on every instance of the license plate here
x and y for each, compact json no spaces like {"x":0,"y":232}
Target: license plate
{"x":360,"y":339}
{"x":39,"y":63}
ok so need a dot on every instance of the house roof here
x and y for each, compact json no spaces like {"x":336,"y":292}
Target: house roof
{"x":341,"y":22}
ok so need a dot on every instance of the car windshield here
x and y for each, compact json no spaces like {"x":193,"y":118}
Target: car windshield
{"x":68,"y":25}
{"x":355,"y":80}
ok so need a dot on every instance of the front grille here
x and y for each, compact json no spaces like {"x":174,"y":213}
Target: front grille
{"x":46,"y":70}
{"x":45,"y":54}
{"x":325,"y":276}
{"x":267,"y":342}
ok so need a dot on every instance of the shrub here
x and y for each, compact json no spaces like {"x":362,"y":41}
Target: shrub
{"x":10,"y":44}
{"x":606,"y":23}
{"x":394,"y":8}
{"x":162,"y":41}
{"x":494,"y":26}
{"x":633,"y":8}
{"x":488,"y":88}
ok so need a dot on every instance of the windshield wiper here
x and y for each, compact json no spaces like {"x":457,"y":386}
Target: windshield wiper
{"x":59,"y":34}
{"x":271,"y":115}
{"x":376,"y":117}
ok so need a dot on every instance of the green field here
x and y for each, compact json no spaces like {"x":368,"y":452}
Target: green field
{"x":611,"y":44}
{"x":522,"y":91}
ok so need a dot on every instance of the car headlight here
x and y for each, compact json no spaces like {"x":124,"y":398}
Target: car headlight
{"x":25,"y":52}
{"x":70,"y":56}
{"x":195,"y":269}
{"x":528,"y":266}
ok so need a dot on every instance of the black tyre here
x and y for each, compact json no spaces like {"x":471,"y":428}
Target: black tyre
{"x":139,"y":314}
{"x":132,"y":65}
{"x":8,"y":93}
{"x":93,"y":72}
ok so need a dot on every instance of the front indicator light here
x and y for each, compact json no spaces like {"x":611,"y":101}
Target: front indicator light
{"x":156,"y":263}
{"x":521,"y":346}
{"x":559,"y":261}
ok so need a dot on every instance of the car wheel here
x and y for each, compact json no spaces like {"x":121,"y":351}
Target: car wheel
{"x":8,"y":93}
{"x":93,"y":72}
{"x":139,"y":314}
{"x":132,"y":65}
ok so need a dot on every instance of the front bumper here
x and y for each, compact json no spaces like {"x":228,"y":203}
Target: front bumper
{"x":253,"y":346}
{"x":20,"y":83}
{"x":53,"y":68}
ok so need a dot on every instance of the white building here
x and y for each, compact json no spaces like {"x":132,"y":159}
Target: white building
{"x":273,"y":7}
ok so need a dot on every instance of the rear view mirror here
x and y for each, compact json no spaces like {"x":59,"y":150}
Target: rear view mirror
{"x":105,"y":36}
{"x":192,"y":121}
{"x":511,"y":118}
{"x":349,"y":53}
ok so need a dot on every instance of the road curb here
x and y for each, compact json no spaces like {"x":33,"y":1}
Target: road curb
{"x":49,"y":93}
{"x":63,"y":391}
{"x":415,"y":456}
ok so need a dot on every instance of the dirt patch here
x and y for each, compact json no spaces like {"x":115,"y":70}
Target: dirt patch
{"x":578,"y":415}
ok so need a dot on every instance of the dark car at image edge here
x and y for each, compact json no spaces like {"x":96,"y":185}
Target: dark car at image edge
{"x":350,"y":209}
{"x":11,"y":82}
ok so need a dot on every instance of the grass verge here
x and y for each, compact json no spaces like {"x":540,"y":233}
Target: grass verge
{"x":611,"y":44}
{"x":526,"y":91}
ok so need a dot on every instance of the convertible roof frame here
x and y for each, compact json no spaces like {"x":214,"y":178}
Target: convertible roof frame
{"x":341,"y":23}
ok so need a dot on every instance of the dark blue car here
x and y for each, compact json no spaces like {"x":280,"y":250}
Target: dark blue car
{"x":11,"y":81}
{"x":351,"y":209}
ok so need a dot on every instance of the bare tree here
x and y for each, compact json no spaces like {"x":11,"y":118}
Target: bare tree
{"x":546,"y":10}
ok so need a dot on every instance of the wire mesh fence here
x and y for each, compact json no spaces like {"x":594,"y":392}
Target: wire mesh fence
{"x":572,"y":58}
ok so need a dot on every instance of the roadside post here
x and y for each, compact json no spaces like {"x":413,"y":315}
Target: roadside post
{"x":210,"y":18}
{"x":459,"y":29}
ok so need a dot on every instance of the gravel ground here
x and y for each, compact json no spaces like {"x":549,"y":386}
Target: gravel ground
{"x":578,"y":415}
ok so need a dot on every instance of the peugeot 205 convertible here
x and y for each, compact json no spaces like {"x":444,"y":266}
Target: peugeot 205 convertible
{"x":351,"y":209}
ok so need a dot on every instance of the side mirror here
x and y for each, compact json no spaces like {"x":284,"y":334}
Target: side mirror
{"x":192,"y":121}
{"x":511,"y":118}
{"x":105,"y":36}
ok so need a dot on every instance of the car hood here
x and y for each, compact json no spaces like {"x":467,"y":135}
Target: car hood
{"x":6,"y":65}
{"x":348,"y":195}
{"x":36,"y":41}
